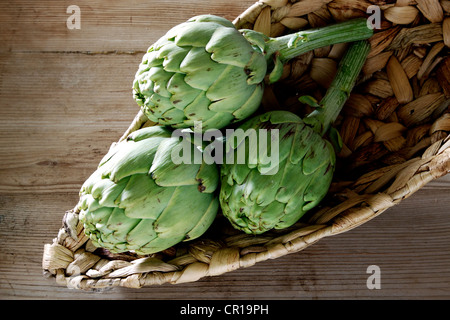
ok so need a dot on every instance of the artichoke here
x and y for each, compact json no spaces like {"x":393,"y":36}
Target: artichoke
{"x":256,"y":202}
{"x":140,"y":200}
{"x":205,"y":70}
{"x":258,"y":195}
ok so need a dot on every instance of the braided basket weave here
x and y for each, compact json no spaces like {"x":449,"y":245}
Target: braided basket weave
{"x":395,"y":129}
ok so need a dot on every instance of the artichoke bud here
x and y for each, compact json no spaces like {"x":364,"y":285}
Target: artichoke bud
{"x":201,"y":70}
{"x":256,"y":201}
{"x":147,"y":194}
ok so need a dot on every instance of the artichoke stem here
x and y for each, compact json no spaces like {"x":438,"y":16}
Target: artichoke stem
{"x":296,"y":44}
{"x":339,"y":91}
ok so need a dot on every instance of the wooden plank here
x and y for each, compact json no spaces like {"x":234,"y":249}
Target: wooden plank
{"x":409,"y":243}
{"x":443,"y":183}
{"x":113,"y":25}
{"x":59,"y":119}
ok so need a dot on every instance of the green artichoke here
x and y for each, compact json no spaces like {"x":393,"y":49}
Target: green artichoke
{"x":256,"y":202}
{"x":140,"y":200}
{"x":205,"y":70}
{"x":257,"y":195}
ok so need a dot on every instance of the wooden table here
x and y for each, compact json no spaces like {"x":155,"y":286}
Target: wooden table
{"x":65,"y":96}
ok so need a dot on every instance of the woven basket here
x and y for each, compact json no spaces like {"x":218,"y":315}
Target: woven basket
{"x":395,"y":128}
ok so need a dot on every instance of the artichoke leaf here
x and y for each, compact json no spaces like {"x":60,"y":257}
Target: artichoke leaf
{"x":150,"y":59}
{"x":133,"y":158}
{"x":204,"y":222}
{"x":120,"y":223}
{"x":182,"y":93}
{"x":197,"y":34}
{"x":212,"y":18}
{"x":107,"y":191}
{"x":270,"y":216}
{"x":159,"y":106}
{"x":149,"y":132}
{"x":172,"y":56}
{"x":197,"y":58}
{"x":172,"y":116}
{"x":229,"y":103}
{"x":207,"y":178}
{"x":288,"y":219}
{"x":292,"y":183}
{"x":318,"y":187}
{"x":204,"y":77}
{"x":232,"y":81}
{"x":228,"y":46}
{"x":301,"y":136}
{"x":141,"y":234}
{"x":159,"y":76}
{"x":251,"y":105}
{"x":179,"y":219}
{"x":238,"y":173}
{"x":142,"y":198}
{"x":318,"y":155}
{"x":102,"y":215}
{"x":158,"y":244}
{"x":261,"y":191}
{"x":167,"y":173}
{"x":280,"y":117}
{"x":218,"y":120}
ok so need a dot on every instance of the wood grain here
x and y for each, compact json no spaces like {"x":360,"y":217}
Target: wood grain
{"x":65,"y":96}
{"x":58,"y":123}
{"x":115,"y":25}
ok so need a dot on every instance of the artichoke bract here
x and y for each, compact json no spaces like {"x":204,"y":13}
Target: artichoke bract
{"x":256,"y":195}
{"x":140,"y":200}
{"x":205,"y":70}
